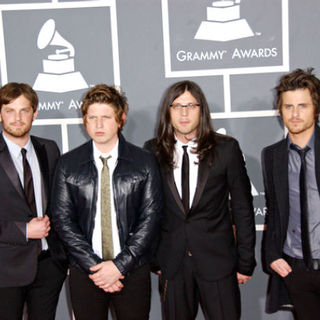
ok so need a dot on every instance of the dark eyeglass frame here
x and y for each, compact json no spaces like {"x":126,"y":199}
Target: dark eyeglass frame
{"x":189,"y":106}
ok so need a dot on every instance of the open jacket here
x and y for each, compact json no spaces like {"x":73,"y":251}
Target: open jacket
{"x":207,"y":229}
{"x":137,"y":198}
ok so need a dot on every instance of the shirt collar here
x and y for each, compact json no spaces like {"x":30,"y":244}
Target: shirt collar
{"x":14,"y":149}
{"x":113,"y":153}
{"x":190,"y":144}
{"x":310,"y":143}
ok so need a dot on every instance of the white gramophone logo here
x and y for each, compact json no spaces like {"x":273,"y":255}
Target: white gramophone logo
{"x":58,"y":69}
{"x":224,"y":23}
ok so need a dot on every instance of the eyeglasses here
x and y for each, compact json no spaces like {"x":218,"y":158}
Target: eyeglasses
{"x":189,"y":106}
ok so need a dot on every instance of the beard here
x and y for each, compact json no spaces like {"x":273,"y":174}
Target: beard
{"x":17,"y":132}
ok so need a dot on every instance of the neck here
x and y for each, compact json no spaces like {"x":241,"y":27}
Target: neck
{"x":20,"y":141}
{"x":301,"y":139}
{"x":105,"y":148}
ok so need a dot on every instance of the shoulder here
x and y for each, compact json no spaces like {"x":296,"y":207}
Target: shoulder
{"x":274,"y":147}
{"x":225,"y":143}
{"x":77,"y":155}
{"x":150,"y":145}
{"x":138,"y":152}
{"x":43,"y":141}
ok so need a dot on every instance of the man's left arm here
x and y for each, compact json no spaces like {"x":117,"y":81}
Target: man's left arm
{"x":148,"y":217}
{"x":242,"y":212}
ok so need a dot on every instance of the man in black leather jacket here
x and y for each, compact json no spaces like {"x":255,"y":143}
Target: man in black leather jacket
{"x":107,"y":267}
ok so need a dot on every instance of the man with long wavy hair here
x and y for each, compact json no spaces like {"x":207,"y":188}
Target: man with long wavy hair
{"x":199,"y":257}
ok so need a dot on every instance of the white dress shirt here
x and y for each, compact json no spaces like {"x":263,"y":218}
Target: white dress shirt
{"x":193,"y":167}
{"x":96,"y":237}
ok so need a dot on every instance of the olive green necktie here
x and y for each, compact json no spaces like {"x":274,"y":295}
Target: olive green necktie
{"x":106,"y":227}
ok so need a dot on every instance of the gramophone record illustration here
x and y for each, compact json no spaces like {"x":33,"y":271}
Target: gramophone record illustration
{"x":59,"y":73}
{"x":224,"y":23}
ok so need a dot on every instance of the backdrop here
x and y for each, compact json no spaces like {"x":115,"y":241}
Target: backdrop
{"x":236,"y":51}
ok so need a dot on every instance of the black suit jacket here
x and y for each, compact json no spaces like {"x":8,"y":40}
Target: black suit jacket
{"x":206,"y":230}
{"x":275,"y":173}
{"x":17,"y":255}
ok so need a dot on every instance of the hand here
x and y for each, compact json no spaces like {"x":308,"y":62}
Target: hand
{"x":116,"y":287}
{"x":106,"y":276}
{"x":281,"y":267}
{"x":158,"y":272}
{"x":242,"y":278}
{"x":38,"y":228}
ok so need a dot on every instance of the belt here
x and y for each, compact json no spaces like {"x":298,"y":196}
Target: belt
{"x":300,"y":262}
{"x":44,"y":254}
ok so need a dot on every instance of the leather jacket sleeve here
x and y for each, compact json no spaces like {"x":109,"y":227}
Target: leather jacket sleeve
{"x":65,"y":219}
{"x":141,"y":240}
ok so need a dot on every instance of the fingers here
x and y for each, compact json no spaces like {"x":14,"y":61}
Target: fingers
{"x":96,"y":267}
{"x":281,"y":267}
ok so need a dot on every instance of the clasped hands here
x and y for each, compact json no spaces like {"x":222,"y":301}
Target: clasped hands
{"x":107,"y":276}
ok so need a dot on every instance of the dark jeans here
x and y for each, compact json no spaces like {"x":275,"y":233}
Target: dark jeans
{"x":91,"y":302}
{"x":304,"y":289}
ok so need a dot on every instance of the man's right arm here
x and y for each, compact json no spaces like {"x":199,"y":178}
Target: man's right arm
{"x":65,"y":220}
{"x":273,"y":258}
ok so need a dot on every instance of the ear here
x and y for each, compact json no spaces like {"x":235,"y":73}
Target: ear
{"x":124,"y":119}
{"x":35,"y":114}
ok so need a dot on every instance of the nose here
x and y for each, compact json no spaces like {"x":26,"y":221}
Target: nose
{"x":17,"y":116}
{"x":295,"y":111}
{"x":99,"y":122}
{"x":184,"y":111}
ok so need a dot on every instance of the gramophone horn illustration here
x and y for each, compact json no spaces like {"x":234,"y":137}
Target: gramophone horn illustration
{"x":58,"y":74}
{"x":224,"y":23}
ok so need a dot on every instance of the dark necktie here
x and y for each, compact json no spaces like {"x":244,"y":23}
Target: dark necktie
{"x":185,"y":179}
{"x":106,"y":226}
{"x":28,"y":183}
{"x":307,"y":257}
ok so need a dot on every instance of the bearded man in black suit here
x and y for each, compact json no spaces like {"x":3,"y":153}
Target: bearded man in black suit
{"x":33,"y":264}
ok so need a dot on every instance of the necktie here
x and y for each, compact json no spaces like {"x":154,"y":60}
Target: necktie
{"x":28,"y":183}
{"x":306,"y":251}
{"x":185,"y":179}
{"x":106,"y":227}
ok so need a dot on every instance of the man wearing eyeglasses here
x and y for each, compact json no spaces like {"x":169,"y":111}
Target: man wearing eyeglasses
{"x":200,"y":257}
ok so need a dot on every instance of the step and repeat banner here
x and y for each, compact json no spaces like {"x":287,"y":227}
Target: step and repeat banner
{"x":235,"y":50}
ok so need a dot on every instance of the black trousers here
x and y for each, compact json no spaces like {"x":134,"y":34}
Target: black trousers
{"x":219,"y":300}
{"x":89,"y":302}
{"x":41,"y":296}
{"x":304,"y":290}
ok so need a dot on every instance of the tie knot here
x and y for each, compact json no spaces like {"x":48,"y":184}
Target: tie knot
{"x":301,"y":152}
{"x":23,"y":152}
{"x":185,"y":148}
{"x":105,"y":160}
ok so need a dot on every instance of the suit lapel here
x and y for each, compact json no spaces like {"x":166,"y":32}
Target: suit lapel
{"x":173,"y":188}
{"x":317,"y":155}
{"x":203,"y":173}
{"x":9,"y":168}
{"x":44,"y":170}
{"x":281,"y":185}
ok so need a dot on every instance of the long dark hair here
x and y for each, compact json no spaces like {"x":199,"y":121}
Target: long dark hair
{"x":205,"y":138}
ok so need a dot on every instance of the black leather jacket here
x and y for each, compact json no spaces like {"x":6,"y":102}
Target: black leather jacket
{"x":137,"y":198}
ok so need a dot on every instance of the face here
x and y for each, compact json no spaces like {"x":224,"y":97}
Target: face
{"x":298,"y":112}
{"x":16,"y":118}
{"x":102,"y":126}
{"x":185,"y":121}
